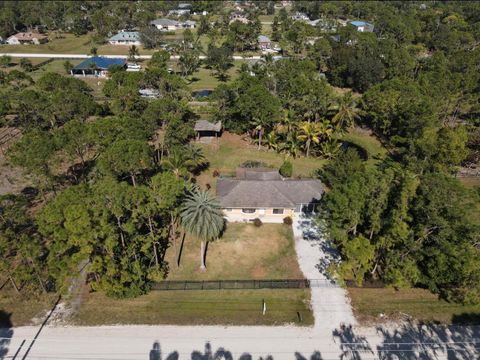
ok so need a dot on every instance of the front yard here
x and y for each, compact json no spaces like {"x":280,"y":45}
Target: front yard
{"x":243,"y":252}
{"x":371,"y":306}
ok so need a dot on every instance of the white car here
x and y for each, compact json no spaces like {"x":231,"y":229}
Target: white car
{"x":134,"y":66}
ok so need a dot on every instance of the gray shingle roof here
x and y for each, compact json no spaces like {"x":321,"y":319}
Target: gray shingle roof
{"x":236,"y":193}
{"x":165,"y":22}
{"x":204,"y":125}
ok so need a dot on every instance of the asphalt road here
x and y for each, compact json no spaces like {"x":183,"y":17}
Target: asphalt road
{"x":83,"y":56}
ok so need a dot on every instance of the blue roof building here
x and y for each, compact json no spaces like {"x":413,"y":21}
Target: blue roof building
{"x":97,"y":66}
{"x":125,"y":38}
{"x":362,"y":26}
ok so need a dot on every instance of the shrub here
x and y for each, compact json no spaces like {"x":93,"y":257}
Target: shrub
{"x":252,"y":164}
{"x":286,"y":170}
{"x":287,"y":220}
{"x":257,"y":222}
{"x":216,"y":173}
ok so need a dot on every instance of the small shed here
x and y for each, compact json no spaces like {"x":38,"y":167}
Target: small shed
{"x":205,"y":131}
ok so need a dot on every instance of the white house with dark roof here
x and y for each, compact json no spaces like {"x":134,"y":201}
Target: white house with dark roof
{"x":264,"y":42}
{"x":270,"y":199}
{"x":126,"y":38}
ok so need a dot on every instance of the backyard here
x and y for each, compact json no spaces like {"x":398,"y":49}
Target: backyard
{"x":243,"y":252}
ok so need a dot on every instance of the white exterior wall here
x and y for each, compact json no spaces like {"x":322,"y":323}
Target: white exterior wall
{"x":264,"y":214}
{"x":12,"y":40}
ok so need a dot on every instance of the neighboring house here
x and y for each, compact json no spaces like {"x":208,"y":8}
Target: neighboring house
{"x":97,"y":66}
{"x":238,"y":16}
{"x":205,"y":131}
{"x":362,"y":26}
{"x":172,"y":25}
{"x":182,"y":9}
{"x":264,"y":42}
{"x":189,"y":24}
{"x":166,"y":24}
{"x":299,"y":16}
{"x":149,"y":93}
{"x":27,"y":38}
{"x":125,"y":38}
{"x":270,"y":200}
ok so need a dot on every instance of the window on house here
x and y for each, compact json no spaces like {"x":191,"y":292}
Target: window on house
{"x":278,"y":211}
{"x":248,"y":211}
{"x":228,"y":209}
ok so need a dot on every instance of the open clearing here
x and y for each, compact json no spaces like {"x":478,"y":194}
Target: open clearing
{"x":418,"y":304}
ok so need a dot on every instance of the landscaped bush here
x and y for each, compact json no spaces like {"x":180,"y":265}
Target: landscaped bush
{"x":286,"y":170}
{"x":287,"y":220}
{"x":257,"y":222}
{"x":252,"y":164}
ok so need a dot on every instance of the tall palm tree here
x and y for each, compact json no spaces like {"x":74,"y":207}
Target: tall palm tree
{"x":202,"y":217}
{"x":309,"y":132}
{"x":259,"y":126}
{"x":133,"y":52}
{"x":346,"y":111}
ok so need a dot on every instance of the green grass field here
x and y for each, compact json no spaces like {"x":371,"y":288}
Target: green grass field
{"x":366,"y":141}
{"x":243,"y":252}
{"x":21,"y":310}
{"x":417,"y":304}
{"x":209,"y":307}
{"x":204,"y":79}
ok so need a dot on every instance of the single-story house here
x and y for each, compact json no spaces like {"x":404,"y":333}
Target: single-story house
{"x":238,"y":16}
{"x":264,"y":42}
{"x":149,"y":93}
{"x":97,"y":66}
{"x":166,"y":24}
{"x":179,"y":12}
{"x":125,"y":38}
{"x":299,"y":16}
{"x":269,"y":200}
{"x":205,"y":131}
{"x":362,"y":26}
{"x":27,"y":38}
{"x":189,"y":24}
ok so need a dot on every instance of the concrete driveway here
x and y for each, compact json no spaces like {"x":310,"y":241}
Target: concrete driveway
{"x":330,"y":304}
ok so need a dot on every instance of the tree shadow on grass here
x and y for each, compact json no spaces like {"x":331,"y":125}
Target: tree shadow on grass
{"x":419,"y":341}
{"x":6,"y":333}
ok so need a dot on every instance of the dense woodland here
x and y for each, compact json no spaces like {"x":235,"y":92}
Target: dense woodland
{"x":113,"y":178}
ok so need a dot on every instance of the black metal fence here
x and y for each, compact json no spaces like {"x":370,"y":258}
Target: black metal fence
{"x":243,"y":284}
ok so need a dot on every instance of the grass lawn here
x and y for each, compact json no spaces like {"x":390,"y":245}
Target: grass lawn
{"x":419,"y":304}
{"x":470,"y":181}
{"x":232,"y":150}
{"x":243,"y":252}
{"x":366,"y":140}
{"x":22,"y":310}
{"x":225,"y":307}
{"x":204,"y":79}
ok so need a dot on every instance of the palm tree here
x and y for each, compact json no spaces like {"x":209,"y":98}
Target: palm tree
{"x":346,"y":111}
{"x":259,"y":125}
{"x":326,"y":129}
{"x":292,"y":144}
{"x":175,"y":162}
{"x":309,"y":132}
{"x":194,"y":158}
{"x":133,"y":52}
{"x":202,"y":217}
